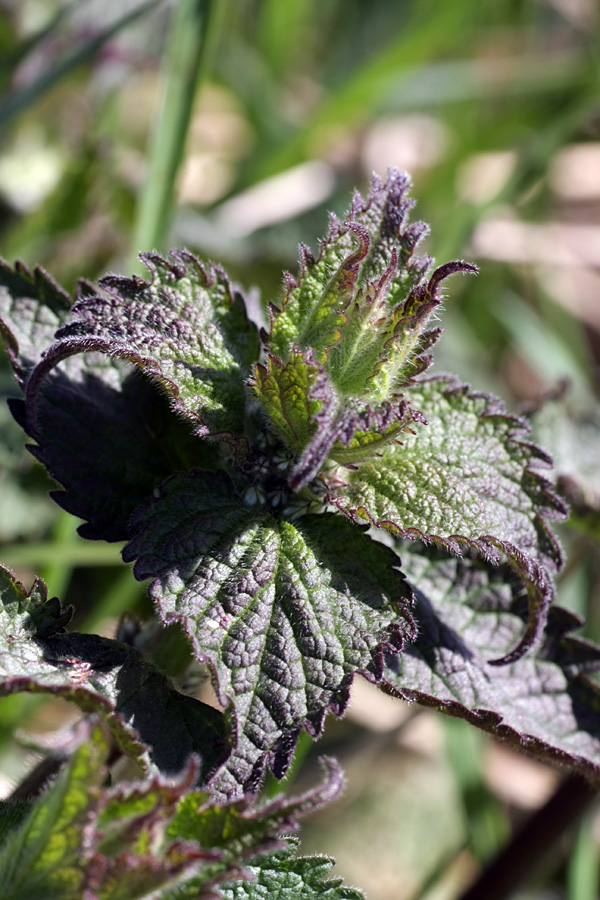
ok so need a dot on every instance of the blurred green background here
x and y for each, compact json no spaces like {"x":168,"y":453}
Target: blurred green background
{"x":232,"y":127}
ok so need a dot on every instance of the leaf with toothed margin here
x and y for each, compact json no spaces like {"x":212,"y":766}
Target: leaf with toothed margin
{"x":136,"y":700}
{"x":106,"y":435}
{"x":313,"y":308}
{"x":466,"y":479}
{"x":373,"y":429}
{"x":283,"y":612}
{"x":154,"y":837}
{"x":469,"y":613}
{"x":186,"y":328}
{"x":242,"y":832}
{"x":571,"y":433}
{"x":368,"y":322}
{"x":82,"y":839}
{"x":291,"y":395}
{"x":287,"y":877}
{"x":32,"y":307}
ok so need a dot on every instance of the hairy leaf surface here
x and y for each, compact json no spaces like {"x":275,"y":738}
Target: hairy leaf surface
{"x":157,"y":837}
{"x":186,"y":328}
{"x":291,"y":395}
{"x":469,"y":613}
{"x":284,"y":613}
{"x":105,"y":676}
{"x":367,"y":322}
{"x":32,"y":307}
{"x":466,"y":479}
{"x":242,"y":832}
{"x":287,"y":877}
{"x":81,"y":840}
{"x":101,"y":431}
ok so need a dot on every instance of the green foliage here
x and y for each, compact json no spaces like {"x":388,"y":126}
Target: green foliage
{"x":248,"y":510}
{"x":83,"y":839}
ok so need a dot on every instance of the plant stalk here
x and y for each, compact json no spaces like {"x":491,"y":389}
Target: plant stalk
{"x":187,"y":58}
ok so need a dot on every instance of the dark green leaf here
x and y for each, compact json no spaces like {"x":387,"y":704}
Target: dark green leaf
{"x":101,"y":675}
{"x":284,"y":612}
{"x":469,"y":613}
{"x":186,"y":328}
{"x":101,"y":431}
{"x":466,"y":479}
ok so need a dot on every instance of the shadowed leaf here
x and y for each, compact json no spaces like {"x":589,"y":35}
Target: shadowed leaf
{"x":284,"y":613}
{"x":137,"y":702}
{"x":469,"y":613}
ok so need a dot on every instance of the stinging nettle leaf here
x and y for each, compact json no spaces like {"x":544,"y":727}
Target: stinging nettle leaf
{"x":83,"y":840}
{"x":186,"y":328}
{"x":291,"y":395}
{"x":97,"y":674}
{"x":467,"y":479}
{"x":284,"y":613}
{"x":368,"y":322}
{"x":287,"y":877}
{"x":468,"y":612}
{"x":102,"y":432}
{"x":32,"y":307}
{"x":155,"y":837}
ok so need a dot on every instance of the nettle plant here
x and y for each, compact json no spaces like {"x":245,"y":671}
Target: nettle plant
{"x":307,"y":504}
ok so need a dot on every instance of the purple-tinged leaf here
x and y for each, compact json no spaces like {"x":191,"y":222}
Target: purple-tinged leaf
{"x":291,"y":395}
{"x":374,"y":428}
{"x":283,"y":612}
{"x":154,"y":837}
{"x":368,"y":322}
{"x":186,"y":328}
{"x":136,"y":700}
{"x":467,"y":479}
{"x":102,"y":432}
{"x":469,"y":612}
{"x":32,"y":307}
{"x":82,"y":840}
{"x":313,"y":307}
{"x":237,"y":828}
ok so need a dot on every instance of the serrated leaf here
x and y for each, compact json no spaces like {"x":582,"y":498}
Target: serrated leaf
{"x":32,"y":307}
{"x":68,"y":846}
{"x":101,"y":431}
{"x":186,"y":328}
{"x":242,"y":832}
{"x":374,"y":428}
{"x":284,"y":613}
{"x":41,"y":857}
{"x":466,"y":479}
{"x":287,"y":877}
{"x":290,"y":394}
{"x":573,"y":438}
{"x":153,"y":837}
{"x":469,"y":613}
{"x":100,"y":675}
{"x":313,"y":308}
{"x":368,"y":321}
